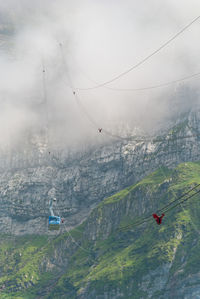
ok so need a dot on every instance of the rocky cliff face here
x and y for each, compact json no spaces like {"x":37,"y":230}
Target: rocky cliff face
{"x":109,"y":255}
{"x":140,"y":262}
{"x":81,"y":180}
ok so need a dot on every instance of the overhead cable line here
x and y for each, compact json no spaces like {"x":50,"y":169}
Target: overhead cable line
{"x":148,"y":218}
{"x":79,"y":245}
{"x":78,"y":101}
{"x":150,"y":87}
{"x":45,"y":110}
{"x":45,"y":95}
{"x":94,"y":124}
{"x":144,"y":59}
{"x":45,"y":107}
{"x":191,"y":221}
{"x":183,"y":200}
{"x":71,"y":86}
{"x":156,"y":86}
{"x":165,"y":209}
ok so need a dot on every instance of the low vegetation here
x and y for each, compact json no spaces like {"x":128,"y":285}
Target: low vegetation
{"x":86,"y":263}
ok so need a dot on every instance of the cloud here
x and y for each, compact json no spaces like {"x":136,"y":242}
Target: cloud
{"x":100,"y":39}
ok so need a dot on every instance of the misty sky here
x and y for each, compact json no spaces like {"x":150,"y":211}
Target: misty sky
{"x":100,"y":39}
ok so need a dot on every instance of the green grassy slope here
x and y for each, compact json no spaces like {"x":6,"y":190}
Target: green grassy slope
{"x":111,"y":261}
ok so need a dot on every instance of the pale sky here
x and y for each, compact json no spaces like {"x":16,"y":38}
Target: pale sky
{"x":100,"y":39}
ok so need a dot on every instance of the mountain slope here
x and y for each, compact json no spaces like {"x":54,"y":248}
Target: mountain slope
{"x":98,"y":260}
{"x":82,"y":180}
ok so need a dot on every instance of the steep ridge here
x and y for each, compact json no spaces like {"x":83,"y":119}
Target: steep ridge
{"x":98,"y":260}
{"x":82,"y":180}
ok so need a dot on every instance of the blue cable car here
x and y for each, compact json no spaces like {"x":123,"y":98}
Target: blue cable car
{"x":54,"y":222}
